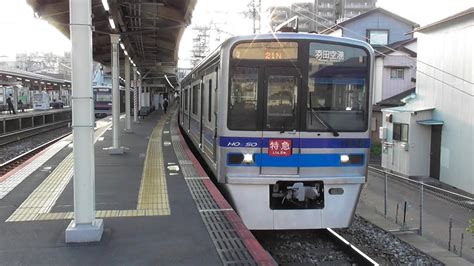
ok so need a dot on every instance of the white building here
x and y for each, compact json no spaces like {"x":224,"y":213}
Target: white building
{"x":433,"y":134}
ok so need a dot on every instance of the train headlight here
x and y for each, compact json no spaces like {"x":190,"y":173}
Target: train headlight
{"x":344,"y":158}
{"x":352,"y":159}
{"x":248,"y":158}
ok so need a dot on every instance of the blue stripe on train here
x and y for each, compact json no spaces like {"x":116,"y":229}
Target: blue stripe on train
{"x":240,"y":142}
{"x":301,"y":160}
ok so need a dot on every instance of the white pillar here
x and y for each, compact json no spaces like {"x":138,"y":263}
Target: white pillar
{"x":140,"y":94}
{"x":127,"y":96}
{"x":115,"y":149}
{"x":84,"y":227}
{"x":135,"y":96}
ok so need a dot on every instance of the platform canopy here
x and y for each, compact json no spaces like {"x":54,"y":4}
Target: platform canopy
{"x":150,"y":30}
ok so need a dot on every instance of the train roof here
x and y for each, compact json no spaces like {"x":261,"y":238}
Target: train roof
{"x":227,"y":44}
{"x":295,"y":36}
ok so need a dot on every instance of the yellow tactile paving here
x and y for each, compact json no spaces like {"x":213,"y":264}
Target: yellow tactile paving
{"x":45,"y":195}
{"x":152,"y":198}
{"x":153,"y":193}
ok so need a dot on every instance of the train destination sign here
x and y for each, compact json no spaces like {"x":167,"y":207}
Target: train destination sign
{"x":328,"y":56}
{"x":279,"y":147}
{"x":266,"y":51}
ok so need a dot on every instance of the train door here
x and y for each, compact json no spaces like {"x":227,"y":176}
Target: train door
{"x":280,"y":135}
{"x":214,"y":114}
{"x":201,"y":109}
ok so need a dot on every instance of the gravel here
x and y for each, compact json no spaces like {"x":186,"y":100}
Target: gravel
{"x":12,"y":150}
{"x":313,"y":247}
{"x":383,"y":247}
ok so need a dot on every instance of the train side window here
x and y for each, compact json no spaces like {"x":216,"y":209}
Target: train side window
{"x":186,"y":99}
{"x":242,"y":113}
{"x":195,"y":98}
{"x":209,"y":111}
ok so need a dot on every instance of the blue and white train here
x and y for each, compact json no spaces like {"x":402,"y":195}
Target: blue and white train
{"x":282,"y":120}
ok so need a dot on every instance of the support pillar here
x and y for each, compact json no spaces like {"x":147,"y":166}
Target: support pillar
{"x":115,"y":149}
{"x":140,"y":94}
{"x":128,"y":128}
{"x":84,"y":227}
{"x":135,"y":96}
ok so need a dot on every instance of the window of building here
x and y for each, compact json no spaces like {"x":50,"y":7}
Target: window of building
{"x":397,"y":73}
{"x":400,"y":132}
{"x":195,"y":99}
{"x":378,"y":37}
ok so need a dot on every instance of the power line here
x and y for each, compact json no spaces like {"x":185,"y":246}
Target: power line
{"x":389,"y":48}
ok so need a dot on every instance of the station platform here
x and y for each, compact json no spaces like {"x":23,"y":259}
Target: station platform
{"x":158,"y":205}
{"x":31,"y":112}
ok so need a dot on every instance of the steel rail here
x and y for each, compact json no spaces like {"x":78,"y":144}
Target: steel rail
{"x":360,"y":257}
{"x":26,"y":155}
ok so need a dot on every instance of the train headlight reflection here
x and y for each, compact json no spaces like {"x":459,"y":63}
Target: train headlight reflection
{"x":344,"y":158}
{"x":248,"y":158}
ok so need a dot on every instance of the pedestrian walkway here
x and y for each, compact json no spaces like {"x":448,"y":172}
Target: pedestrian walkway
{"x":437,"y":211}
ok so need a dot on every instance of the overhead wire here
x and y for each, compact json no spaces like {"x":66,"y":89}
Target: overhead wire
{"x":389,"y":48}
{"x":385,"y":46}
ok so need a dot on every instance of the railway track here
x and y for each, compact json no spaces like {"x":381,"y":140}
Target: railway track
{"x":13,"y":163}
{"x":311,"y":247}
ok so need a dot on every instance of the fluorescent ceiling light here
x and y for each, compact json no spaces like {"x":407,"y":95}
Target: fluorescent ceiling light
{"x":105,"y":3}
{"x":125,"y":52}
{"x":112,"y":23}
{"x":166,"y":77}
{"x":123,"y":46}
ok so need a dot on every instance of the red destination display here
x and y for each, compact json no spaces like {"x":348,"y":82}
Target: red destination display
{"x":279,"y":147}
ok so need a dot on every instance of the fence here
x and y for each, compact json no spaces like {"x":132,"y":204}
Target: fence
{"x":434,"y":213}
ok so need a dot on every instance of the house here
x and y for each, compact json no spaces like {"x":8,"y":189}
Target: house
{"x":433,"y":134}
{"x":391,"y":36}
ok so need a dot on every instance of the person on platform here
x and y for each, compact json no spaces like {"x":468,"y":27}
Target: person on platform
{"x":10,"y":105}
{"x":165,"y":104}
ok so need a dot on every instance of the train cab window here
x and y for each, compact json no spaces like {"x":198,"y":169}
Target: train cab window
{"x":195,"y":99}
{"x":337,"y":88}
{"x":281,"y":102}
{"x":243,"y":99}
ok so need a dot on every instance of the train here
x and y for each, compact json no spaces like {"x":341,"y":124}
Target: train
{"x":103,"y":100}
{"x":283,"y":123}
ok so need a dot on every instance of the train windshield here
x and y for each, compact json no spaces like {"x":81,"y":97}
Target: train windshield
{"x":337,"y":88}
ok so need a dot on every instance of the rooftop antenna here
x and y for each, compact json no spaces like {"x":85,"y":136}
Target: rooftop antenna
{"x":284,"y":26}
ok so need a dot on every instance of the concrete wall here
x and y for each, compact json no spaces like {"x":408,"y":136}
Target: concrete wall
{"x":450,"y":48}
{"x":357,"y":29}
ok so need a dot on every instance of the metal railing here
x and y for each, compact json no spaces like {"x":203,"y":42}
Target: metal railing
{"x":435,"y":213}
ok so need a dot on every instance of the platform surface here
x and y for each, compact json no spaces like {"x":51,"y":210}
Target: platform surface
{"x":30,"y":112}
{"x":144,"y":197}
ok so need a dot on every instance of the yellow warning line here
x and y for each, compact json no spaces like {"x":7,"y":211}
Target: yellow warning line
{"x":153,"y":193}
{"x":45,"y":195}
{"x":152,"y":198}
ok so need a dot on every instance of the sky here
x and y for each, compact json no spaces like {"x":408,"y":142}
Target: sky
{"x":22,"y":32}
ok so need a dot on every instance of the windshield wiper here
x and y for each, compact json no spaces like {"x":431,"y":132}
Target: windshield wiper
{"x":324,"y":123}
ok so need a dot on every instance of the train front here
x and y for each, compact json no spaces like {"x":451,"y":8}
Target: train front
{"x":295,"y":149}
